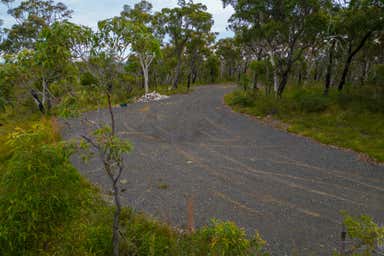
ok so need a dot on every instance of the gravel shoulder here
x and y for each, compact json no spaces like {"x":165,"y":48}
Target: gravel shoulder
{"x":289,"y":188}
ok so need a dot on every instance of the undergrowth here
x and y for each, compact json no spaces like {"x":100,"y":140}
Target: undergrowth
{"x":352,"y":119}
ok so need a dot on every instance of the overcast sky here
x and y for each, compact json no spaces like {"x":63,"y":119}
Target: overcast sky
{"x":88,"y":12}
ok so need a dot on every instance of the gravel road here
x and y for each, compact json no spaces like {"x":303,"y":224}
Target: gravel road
{"x":236,"y":168}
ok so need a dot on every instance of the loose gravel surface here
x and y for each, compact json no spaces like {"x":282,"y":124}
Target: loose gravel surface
{"x":291,"y":189}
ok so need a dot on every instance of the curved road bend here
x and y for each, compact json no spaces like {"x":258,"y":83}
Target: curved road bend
{"x":289,"y":188}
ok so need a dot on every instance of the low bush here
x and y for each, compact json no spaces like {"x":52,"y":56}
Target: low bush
{"x":226,"y":239}
{"x":39,"y":190}
{"x":310,"y":103}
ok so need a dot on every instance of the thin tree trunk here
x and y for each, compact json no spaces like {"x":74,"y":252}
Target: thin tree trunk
{"x":328,"y":76}
{"x":194,"y":77}
{"x":189,"y":81}
{"x":283,"y":83}
{"x":351,"y":54}
{"x":274,"y":71}
{"x":255,"y":81}
{"x":111,"y":113}
{"x":146,"y":80}
{"x":38,"y":101}
{"x":178,"y":69}
{"x":364,"y":72}
{"x":116,"y":220}
{"x":45,"y":96}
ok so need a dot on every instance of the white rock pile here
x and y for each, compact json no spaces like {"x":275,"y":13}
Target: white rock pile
{"x":153,"y":96}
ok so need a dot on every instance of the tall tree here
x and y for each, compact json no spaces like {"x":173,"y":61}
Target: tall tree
{"x":284,"y":29}
{"x":31,"y":18}
{"x":228,"y":52}
{"x":197,"y":50}
{"x":357,"y":23}
{"x":180,"y":24}
{"x":144,"y":42}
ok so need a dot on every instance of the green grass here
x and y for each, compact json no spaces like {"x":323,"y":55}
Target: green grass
{"x":353,"y":119}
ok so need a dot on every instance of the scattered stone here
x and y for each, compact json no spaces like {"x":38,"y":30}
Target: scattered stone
{"x":153,"y":96}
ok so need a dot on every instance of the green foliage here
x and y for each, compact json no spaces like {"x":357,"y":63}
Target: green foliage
{"x":87,"y":79}
{"x":365,"y":233}
{"x":39,"y":191}
{"x":378,"y":75}
{"x":353,"y":119}
{"x":68,"y":108}
{"x":244,"y":82}
{"x":310,"y":102}
{"x":241,"y":99}
{"x":226,"y":239}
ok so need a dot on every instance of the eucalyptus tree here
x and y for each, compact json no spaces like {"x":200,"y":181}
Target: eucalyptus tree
{"x":180,"y":24}
{"x":357,"y":23}
{"x":197,"y":49}
{"x":144,"y":42}
{"x":284,"y":29}
{"x":228,"y":51}
{"x":35,"y":71}
{"x":31,"y":18}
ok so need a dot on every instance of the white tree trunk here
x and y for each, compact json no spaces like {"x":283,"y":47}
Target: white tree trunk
{"x":146,"y":78}
{"x":274,"y":71}
{"x":145,"y":63}
{"x":44,"y":98}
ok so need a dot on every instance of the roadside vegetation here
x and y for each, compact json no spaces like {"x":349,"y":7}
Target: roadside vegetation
{"x":52,"y":68}
{"x":47,"y":208}
{"x":353,"y":119}
{"x":320,"y":69}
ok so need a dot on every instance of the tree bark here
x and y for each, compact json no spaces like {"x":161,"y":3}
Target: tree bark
{"x":38,"y":101}
{"x":116,"y":220}
{"x":255,"y":81}
{"x":146,"y":80}
{"x":178,"y":69}
{"x":111,"y":113}
{"x":194,"y":77}
{"x":274,"y":71}
{"x":189,"y":81}
{"x":283,"y":83}
{"x":351,"y":54}
{"x":328,"y":76}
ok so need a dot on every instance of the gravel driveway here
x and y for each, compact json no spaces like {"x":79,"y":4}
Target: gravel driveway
{"x":289,"y":188}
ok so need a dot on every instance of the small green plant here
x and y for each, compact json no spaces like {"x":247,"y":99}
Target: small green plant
{"x":227,"y":239}
{"x":365,"y":234}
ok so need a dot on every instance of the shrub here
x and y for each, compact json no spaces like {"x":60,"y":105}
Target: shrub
{"x":241,"y":99}
{"x":38,"y":191}
{"x":68,"y":107}
{"x":226,"y":239}
{"x":378,"y":75}
{"x":87,"y":79}
{"x":365,"y":234}
{"x":310,"y":103}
